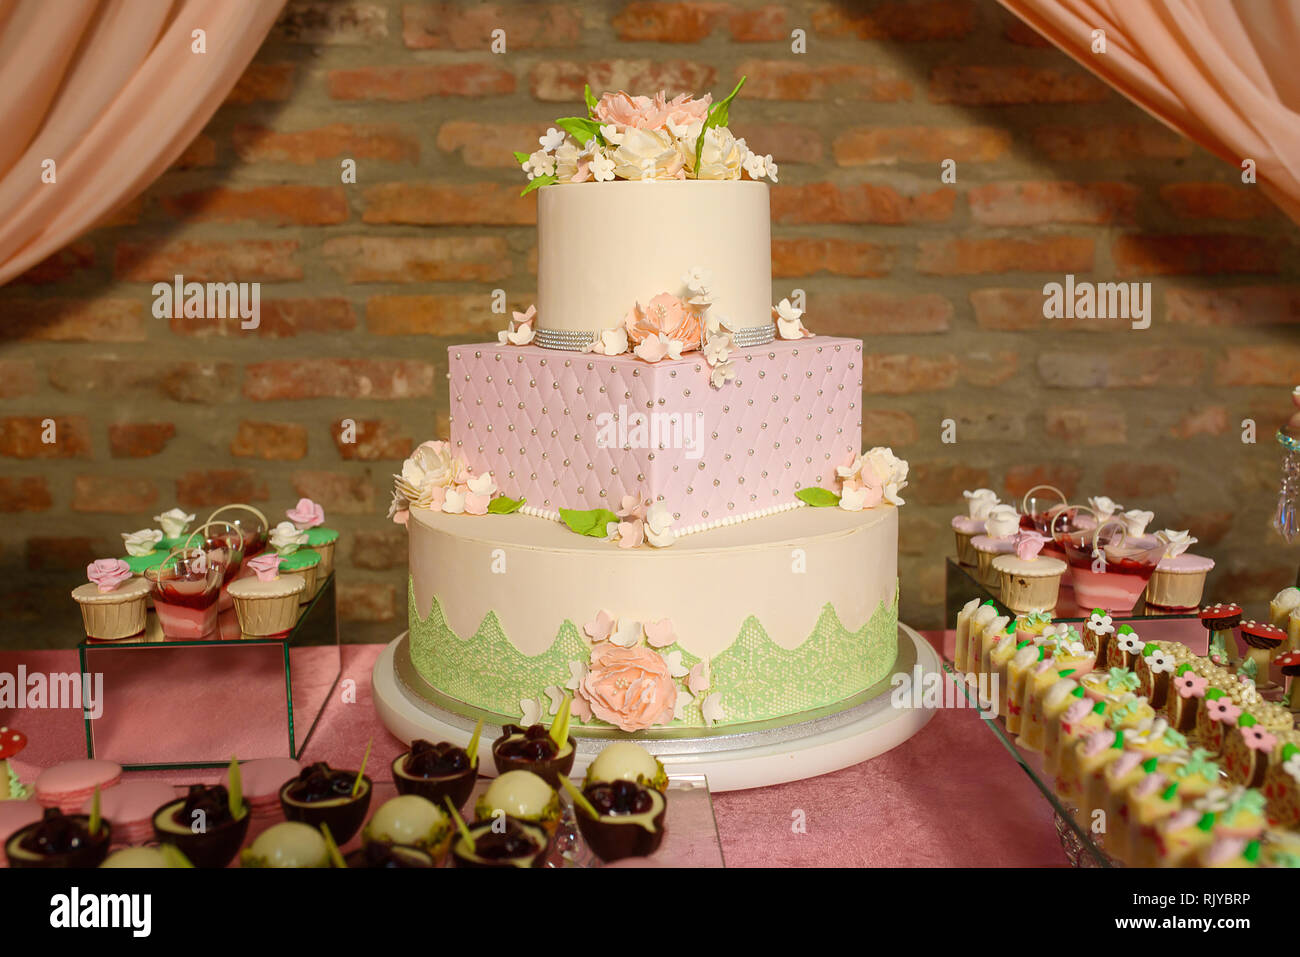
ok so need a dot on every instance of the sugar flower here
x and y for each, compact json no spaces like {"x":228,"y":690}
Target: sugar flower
{"x":108,"y":573}
{"x":143,"y":542}
{"x":174,"y":522}
{"x":789,"y":322}
{"x":286,"y":538}
{"x":306,"y":514}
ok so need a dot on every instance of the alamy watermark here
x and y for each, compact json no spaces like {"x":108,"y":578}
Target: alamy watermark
{"x":1098,"y":300}
{"x":209,"y":300}
{"x":83,"y":691}
{"x":658,"y":430}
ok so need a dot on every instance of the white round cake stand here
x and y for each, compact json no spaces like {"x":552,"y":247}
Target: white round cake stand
{"x":731,"y":762}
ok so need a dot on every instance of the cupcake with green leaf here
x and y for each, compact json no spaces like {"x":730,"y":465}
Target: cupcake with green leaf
{"x":307,"y":516}
{"x":144,"y":549}
{"x":290,"y":544}
{"x":174,"y":523}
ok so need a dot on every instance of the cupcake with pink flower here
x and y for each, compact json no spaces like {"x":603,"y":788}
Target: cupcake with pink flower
{"x":978,"y":504}
{"x":1030,"y":582}
{"x":112,"y":601}
{"x":266,"y":602}
{"x":309,"y":517}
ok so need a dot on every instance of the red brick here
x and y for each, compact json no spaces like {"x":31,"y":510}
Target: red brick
{"x":1146,"y":255}
{"x":338,"y":378}
{"x":1169,"y":366}
{"x":786,"y":80}
{"x":200,"y":382}
{"x":201,"y":152}
{"x":981,"y":424}
{"x":418,"y":259}
{"x":489,"y":145}
{"x":58,"y":267}
{"x":1274,"y":365}
{"x":66,"y":555}
{"x":332,"y":23}
{"x":25,"y":494}
{"x":135,"y":440}
{"x":989,"y":369}
{"x":866,"y":313}
{"x":278,"y":319}
{"x":17,"y":378}
{"x":263,"y":83}
{"x":387,"y":142}
{"x":957,"y":257}
{"x":379,"y":550}
{"x":71,"y":320}
{"x":429,"y":204}
{"x":1218,"y":201}
{"x":1141,"y":482}
{"x":349,"y":494}
{"x":205,"y":383}
{"x":22,"y":437}
{"x":450,"y":26}
{"x":402,"y":84}
{"x":899,"y":20}
{"x":1087,"y":142}
{"x":871,"y":145}
{"x":367,"y":602}
{"x":917,"y":534}
{"x":859,"y":203}
{"x":113,"y":494}
{"x":208,"y":260}
{"x":884,"y":374}
{"x":1234,"y":306}
{"x":887,"y":427}
{"x":838,"y":257}
{"x":212,"y":487}
{"x":968,"y":85}
{"x":446,"y":314}
{"x":1205,"y":420}
{"x":656,"y":22}
{"x":1087,"y":425}
{"x":941,"y":483}
{"x":270,"y":441}
{"x":1011,"y":310}
{"x":1021,"y":478}
{"x":271,"y":205}
{"x":1035,"y":203}
{"x":785,"y":142}
{"x":376,"y":440}
{"x":563,"y":80}
{"x":1210,"y":528}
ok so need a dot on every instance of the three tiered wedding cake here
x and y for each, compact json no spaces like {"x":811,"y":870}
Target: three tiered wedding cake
{"x":653,"y":497}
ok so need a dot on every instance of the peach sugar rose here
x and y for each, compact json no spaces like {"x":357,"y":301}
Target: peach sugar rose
{"x":666,"y":315}
{"x":644,"y":113}
{"x":629,"y":687}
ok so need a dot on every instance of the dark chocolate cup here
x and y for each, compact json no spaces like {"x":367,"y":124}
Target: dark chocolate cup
{"x":214,"y":848}
{"x":549,"y":771}
{"x":90,"y":855}
{"x":614,"y":837}
{"x":402,"y":855}
{"x":344,"y":820}
{"x":456,"y":786}
{"x":459,"y":852}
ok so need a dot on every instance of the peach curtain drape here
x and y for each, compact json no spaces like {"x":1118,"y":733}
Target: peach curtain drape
{"x":112,"y":92}
{"x":1225,"y":73}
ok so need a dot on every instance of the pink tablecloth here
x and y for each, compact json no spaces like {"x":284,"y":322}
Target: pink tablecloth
{"x":950,"y":797}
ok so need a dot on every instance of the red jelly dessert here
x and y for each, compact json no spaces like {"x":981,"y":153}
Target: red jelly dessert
{"x":185,"y":591}
{"x":1110,"y":571}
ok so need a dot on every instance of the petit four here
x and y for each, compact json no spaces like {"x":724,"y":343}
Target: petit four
{"x":1030,"y":582}
{"x":379,"y":854}
{"x":130,"y":806}
{"x":627,"y":761}
{"x":513,"y":843}
{"x":437,"y":771}
{"x":547,"y":753}
{"x":1001,"y":526}
{"x":1220,"y":620}
{"x":620,"y":818}
{"x":523,"y":796}
{"x":68,"y":786}
{"x":186,"y":588}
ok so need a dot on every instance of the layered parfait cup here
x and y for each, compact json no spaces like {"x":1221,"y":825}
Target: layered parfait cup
{"x":186,"y":587}
{"x":1110,"y":569}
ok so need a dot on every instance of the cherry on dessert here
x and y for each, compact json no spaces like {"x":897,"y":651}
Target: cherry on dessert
{"x":202,"y":826}
{"x":436,"y":772}
{"x":631,"y":821}
{"x":518,"y":844}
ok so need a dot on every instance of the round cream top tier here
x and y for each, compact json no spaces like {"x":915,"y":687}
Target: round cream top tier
{"x":534,"y":574}
{"x":602,"y":247}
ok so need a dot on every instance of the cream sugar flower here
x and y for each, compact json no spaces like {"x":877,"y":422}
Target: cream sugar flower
{"x":611,"y":342}
{"x":700,"y":677}
{"x":551,"y":140}
{"x":1136,"y":521}
{"x":684,"y":700}
{"x":673,"y":661}
{"x":602,"y":167}
{"x":142,"y":542}
{"x":482,"y":484}
{"x":870,"y":477}
{"x":1175,"y":542}
{"x":718,"y":348}
{"x":1104,"y":507}
{"x":789,"y":321}
{"x":286,"y":538}
{"x":624,"y":632}
{"x":722,"y":373}
{"x":711,"y":709}
{"x":697,"y":279}
{"x":174,"y":522}
{"x":658,"y":346}
{"x":520,"y":332}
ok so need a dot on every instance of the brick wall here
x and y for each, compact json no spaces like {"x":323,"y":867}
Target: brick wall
{"x":365,"y":284}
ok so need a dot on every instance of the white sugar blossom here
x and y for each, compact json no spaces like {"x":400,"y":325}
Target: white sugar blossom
{"x":1102,"y":624}
{"x":551,"y":140}
{"x":647,"y":154}
{"x":891,"y":470}
{"x":611,"y":342}
{"x":721,"y":156}
{"x":684,"y":700}
{"x":531,"y":710}
{"x":1136,"y":520}
{"x":540,"y":163}
{"x":711,"y":709}
{"x":602,"y":168}
{"x":482,"y":484}
{"x":771,"y":168}
{"x":174,"y":522}
{"x":577,"y":671}
{"x":659,"y":346}
{"x":722,"y":373}
{"x":697,"y":279}
{"x":755,"y":166}
{"x":789,"y":324}
{"x":658,"y":525}
{"x":1104,"y":507}
{"x":718,"y":348}
{"x":287,"y":539}
{"x":674,"y":662}
{"x":1175,"y":542}
{"x":611,"y":134}
{"x":142,"y":542}
{"x":854,"y":499}
{"x":626,"y":633}
{"x":701,"y":677}
{"x":454,"y":502}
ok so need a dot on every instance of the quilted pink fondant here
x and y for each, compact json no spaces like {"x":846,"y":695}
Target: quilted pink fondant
{"x":570,"y":430}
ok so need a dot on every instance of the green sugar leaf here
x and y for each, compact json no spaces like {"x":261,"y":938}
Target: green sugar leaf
{"x":538,"y":183}
{"x":590,"y":99}
{"x":460,"y":824}
{"x":592,"y":522}
{"x":817,"y":497}
{"x":95,"y":818}
{"x":236,"y":789}
{"x":580,"y":128}
{"x":1247,"y":720}
{"x":504,"y":505}
{"x":332,"y":847}
{"x":361,"y":773}
{"x":579,"y":799}
{"x":521,"y":156}
{"x":560,"y":726}
{"x":719,"y":115}
{"x":472,"y":748}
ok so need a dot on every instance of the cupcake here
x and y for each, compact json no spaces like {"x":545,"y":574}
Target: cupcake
{"x":309,"y":517}
{"x":267,"y":604}
{"x":112,"y":601}
{"x":295,"y":558}
{"x":1000,"y":527}
{"x":143,"y":550}
{"x":1029,"y":582}
{"x":966,"y":527}
{"x":174,"y":524}
{"x":1179,"y":578}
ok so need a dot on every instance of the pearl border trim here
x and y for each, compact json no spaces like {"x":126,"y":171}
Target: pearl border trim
{"x":554,"y":516}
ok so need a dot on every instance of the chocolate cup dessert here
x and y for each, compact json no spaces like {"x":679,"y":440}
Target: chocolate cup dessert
{"x":381,"y":854}
{"x":436,"y":772}
{"x":519,"y":845}
{"x":631,"y":822}
{"x":531,"y":749}
{"x":323,"y":795}
{"x":222,"y":834}
{"x":59,"y":840}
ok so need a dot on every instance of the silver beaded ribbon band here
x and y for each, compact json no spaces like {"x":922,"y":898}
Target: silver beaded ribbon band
{"x":575,"y":340}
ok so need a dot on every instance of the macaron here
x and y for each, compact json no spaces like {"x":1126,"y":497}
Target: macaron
{"x":262,"y":779}
{"x":14,"y":816}
{"x":71,"y":784}
{"x":130,"y":807}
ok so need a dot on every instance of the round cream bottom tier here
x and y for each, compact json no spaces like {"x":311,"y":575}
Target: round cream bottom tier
{"x":766,"y":619}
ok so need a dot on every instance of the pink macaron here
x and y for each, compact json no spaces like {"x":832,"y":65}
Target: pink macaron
{"x":262,"y":779}
{"x":69,"y":785}
{"x":14,"y":816}
{"x":129,"y":808}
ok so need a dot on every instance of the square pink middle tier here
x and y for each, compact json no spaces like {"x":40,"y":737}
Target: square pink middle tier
{"x":572,"y":430}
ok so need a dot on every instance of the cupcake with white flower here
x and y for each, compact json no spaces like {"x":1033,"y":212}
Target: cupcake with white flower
{"x":309,"y":517}
{"x":999,"y":538}
{"x":978,"y":504}
{"x":290,"y":545}
{"x":1179,"y":578}
{"x":143,"y":549}
{"x":174,"y":522}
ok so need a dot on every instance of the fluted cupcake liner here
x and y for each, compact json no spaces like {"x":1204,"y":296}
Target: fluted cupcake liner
{"x":110,"y":620}
{"x":267,"y":616}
